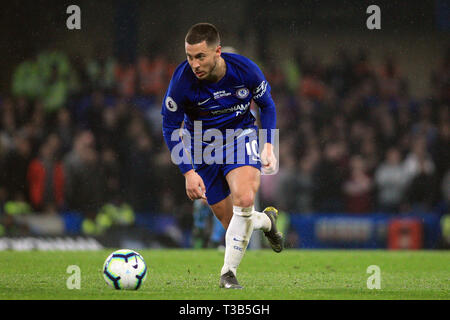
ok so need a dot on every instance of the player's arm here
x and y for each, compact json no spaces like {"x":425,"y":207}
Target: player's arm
{"x":172,"y":118}
{"x":195,"y":188}
{"x":268,"y":115}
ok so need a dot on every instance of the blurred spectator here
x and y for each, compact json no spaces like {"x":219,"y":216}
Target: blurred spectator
{"x":296,"y":186}
{"x":141,"y":188}
{"x":100,"y":72}
{"x":421,"y":191}
{"x":418,"y":160}
{"x":424,"y":126}
{"x":65,"y":130}
{"x":286,"y":192}
{"x":440,"y":80}
{"x":135,"y":128}
{"x":110,"y":131}
{"x":14,"y":169}
{"x":94,"y":112}
{"x":82,"y":140}
{"x":311,"y":84}
{"x":386,"y":130}
{"x":390,"y":182}
{"x":329,"y":178}
{"x":126,"y":79}
{"x":389,"y":79}
{"x":85,"y":182}
{"x":22,"y":111}
{"x":358,"y":187}
{"x":46,"y":178}
{"x":369,"y":153}
{"x":276,"y":77}
{"x":36,"y":129}
{"x":441,"y":150}
{"x":8,"y":126}
{"x":111,"y":172}
{"x":169,"y":196}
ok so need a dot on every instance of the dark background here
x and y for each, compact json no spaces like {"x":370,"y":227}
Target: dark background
{"x":414,"y":31}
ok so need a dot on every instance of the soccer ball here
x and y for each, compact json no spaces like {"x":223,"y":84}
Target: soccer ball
{"x":125,"y":269}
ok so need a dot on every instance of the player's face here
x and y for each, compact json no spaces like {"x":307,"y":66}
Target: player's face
{"x":202,"y":59}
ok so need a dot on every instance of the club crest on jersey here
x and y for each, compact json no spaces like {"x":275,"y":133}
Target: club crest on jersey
{"x":171,"y":105}
{"x":242,"y":93}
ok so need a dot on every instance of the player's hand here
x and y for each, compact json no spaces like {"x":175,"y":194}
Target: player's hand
{"x":268,"y":159}
{"x":195,"y":188}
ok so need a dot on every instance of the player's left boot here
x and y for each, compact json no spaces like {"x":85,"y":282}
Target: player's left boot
{"x":274,"y":236}
{"x":228,"y":281}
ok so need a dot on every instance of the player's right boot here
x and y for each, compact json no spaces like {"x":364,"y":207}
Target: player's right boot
{"x":228,"y":281}
{"x":274,"y":236}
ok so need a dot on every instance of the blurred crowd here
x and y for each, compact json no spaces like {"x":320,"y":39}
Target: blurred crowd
{"x":77,"y":133}
{"x":99,"y":143}
{"x":360,"y":141}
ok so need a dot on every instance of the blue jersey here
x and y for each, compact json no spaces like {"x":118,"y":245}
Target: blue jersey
{"x":221,"y":105}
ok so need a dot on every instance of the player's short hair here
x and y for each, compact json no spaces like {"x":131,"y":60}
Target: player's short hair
{"x":203,"y":32}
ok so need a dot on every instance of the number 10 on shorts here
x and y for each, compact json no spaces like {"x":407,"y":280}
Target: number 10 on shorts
{"x":252,"y":150}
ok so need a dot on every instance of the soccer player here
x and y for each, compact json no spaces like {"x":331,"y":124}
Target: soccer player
{"x":211,"y":92}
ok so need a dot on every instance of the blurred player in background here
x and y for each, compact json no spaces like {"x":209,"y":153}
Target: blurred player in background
{"x":208,"y":231}
{"x":214,"y":90}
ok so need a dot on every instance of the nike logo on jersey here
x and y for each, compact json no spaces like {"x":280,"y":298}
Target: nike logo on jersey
{"x":203,"y":102}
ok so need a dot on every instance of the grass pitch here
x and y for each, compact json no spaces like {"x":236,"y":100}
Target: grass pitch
{"x":265,"y":275}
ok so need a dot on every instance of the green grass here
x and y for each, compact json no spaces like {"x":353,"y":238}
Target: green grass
{"x":194,"y":275}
